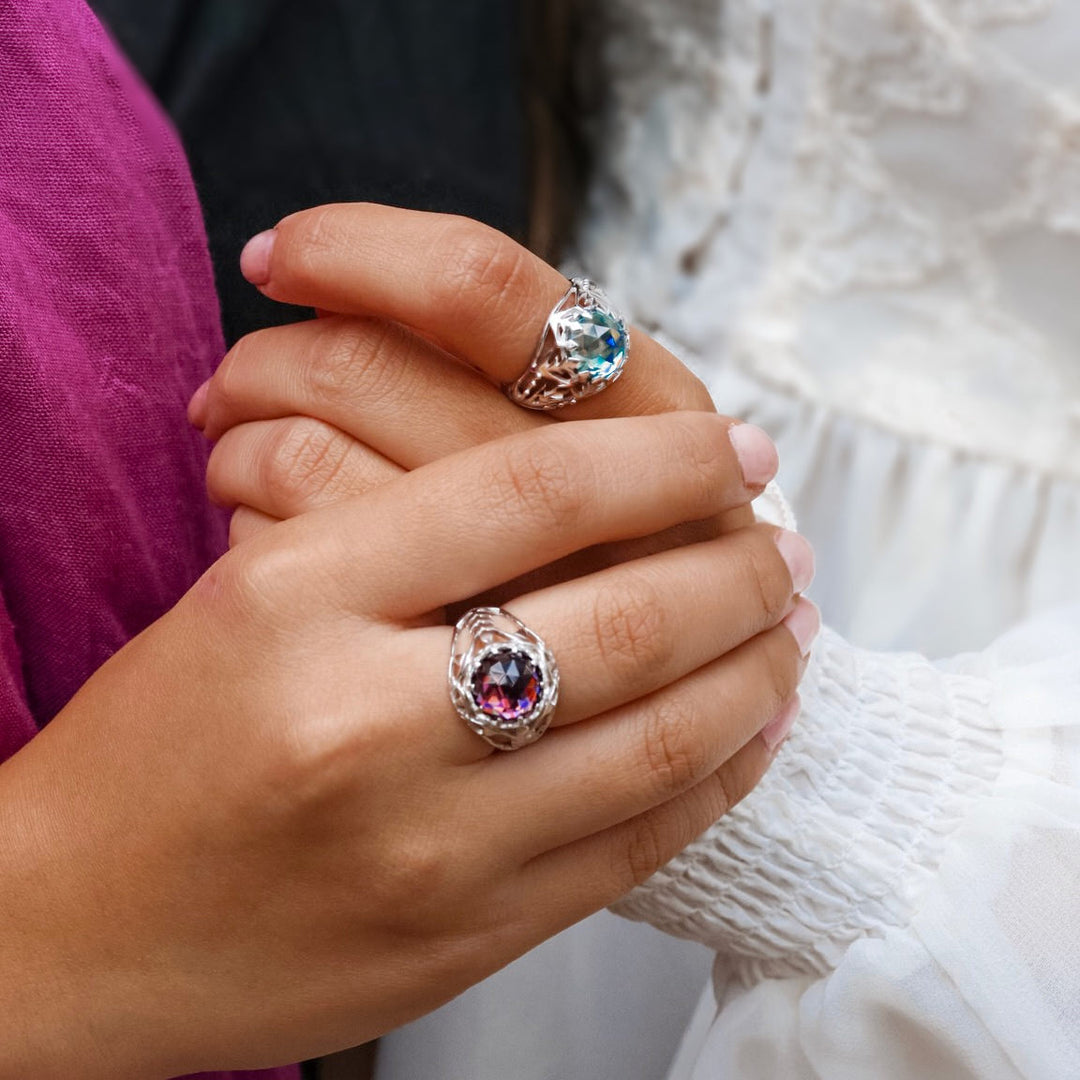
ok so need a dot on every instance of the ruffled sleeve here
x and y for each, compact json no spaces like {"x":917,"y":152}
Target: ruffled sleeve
{"x":900,"y":897}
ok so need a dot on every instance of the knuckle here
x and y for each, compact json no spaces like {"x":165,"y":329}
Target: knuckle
{"x":307,"y":761}
{"x":249,"y":588}
{"x":226,"y":387}
{"x":781,"y":664}
{"x":422,"y":868}
{"x":303,"y":460}
{"x":544,"y":485}
{"x":305,"y":240}
{"x":758,"y":571}
{"x":222,"y":469}
{"x":645,"y":852}
{"x":673,"y":750}
{"x":698,"y":393}
{"x":724,"y":794}
{"x":699,"y":444}
{"x":728,"y":786}
{"x":411,"y":886}
{"x":481,"y":266}
{"x":251,"y":578}
{"x":352,"y":357}
{"x":240,"y":527}
{"x":631,"y":627}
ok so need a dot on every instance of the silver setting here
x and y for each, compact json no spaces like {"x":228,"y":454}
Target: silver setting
{"x":555,"y":377}
{"x":479,"y":635}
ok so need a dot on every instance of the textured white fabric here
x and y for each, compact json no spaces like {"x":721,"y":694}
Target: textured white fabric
{"x":860,"y":220}
{"x":841,"y":833}
{"x":900,"y":897}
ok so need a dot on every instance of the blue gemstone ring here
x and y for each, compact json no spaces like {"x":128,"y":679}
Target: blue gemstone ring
{"x":583,"y":350}
{"x":504,"y":682}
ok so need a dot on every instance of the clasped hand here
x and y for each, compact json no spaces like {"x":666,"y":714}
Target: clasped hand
{"x":298,"y":843}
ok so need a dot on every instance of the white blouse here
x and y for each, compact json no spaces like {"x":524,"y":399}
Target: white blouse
{"x":900,"y":897}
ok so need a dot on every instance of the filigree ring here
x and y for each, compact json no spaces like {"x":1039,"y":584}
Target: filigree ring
{"x":504,"y":682}
{"x":582,"y":351}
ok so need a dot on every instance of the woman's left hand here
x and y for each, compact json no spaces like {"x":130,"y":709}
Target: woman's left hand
{"x":435,"y":314}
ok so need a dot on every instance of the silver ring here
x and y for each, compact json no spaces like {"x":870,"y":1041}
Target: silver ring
{"x":583,"y":350}
{"x":504,"y":682}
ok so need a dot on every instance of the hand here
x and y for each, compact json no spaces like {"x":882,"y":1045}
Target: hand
{"x":260,"y":832}
{"x":362,"y":398}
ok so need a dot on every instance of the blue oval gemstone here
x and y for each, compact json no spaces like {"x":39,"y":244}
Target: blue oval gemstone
{"x":595,"y":341}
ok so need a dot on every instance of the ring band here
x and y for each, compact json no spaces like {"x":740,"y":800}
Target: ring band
{"x":504,"y":682}
{"x":583,"y":350}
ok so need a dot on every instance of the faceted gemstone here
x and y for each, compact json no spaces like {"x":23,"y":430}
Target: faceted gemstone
{"x":507,"y":685}
{"x":595,"y":341}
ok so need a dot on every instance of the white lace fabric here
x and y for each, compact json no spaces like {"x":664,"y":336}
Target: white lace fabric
{"x":859,"y":220}
{"x":872,"y":203}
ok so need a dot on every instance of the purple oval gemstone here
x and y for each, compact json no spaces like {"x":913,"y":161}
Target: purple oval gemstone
{"x":507,"y":685}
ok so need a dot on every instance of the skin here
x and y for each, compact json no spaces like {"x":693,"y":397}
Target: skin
{"x":435,"y":313}
{"x":242,"y":843}
{"x":260,"y":833}
{"x":444,"y":312}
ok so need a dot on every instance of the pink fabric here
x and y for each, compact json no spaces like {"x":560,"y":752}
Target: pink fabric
{"x":108,"y":322}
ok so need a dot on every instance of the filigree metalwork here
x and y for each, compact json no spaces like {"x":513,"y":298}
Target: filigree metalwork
{"x":484,"y":633}
{"x":583,"y":350}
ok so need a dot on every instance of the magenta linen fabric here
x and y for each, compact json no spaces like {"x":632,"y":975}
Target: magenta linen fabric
{"x":108,"y":322}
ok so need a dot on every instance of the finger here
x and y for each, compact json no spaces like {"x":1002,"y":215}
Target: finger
{"x":394,"y":392}
{"x":291,"y":466}
{"x":595,"y":872}
{"x":373,"y":379}
{"x":581,"y":563}
{"x":461,"y":525}
{"x":246,"y":523}
{"x":277,"y":469}
{"x":593,"y":776}
{"x":627,"y":631}
{"x":474,"y":291}
{"x":624,"y":634}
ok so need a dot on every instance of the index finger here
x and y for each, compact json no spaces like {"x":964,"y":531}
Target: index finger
{"x":467,"y":287}
{"x":456,"y":527}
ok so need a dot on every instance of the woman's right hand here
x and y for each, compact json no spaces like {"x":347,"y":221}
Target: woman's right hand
{"x":260,"y":832}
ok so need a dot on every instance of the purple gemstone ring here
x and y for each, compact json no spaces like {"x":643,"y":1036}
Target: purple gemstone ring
{"x":582,"y":351}
{"x":504,"y":682}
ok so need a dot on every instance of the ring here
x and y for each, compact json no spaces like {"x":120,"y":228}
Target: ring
{"x":504,"y":682}
{"x":583,"y":350}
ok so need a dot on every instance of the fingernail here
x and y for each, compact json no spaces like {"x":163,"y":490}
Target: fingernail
{"x":804,"y":622}
{"x":756,"y":452}
{"x":196,"y":410}
{"x":799,"y":556}
{"x":779,"y":729}
{"x":255,"y":258}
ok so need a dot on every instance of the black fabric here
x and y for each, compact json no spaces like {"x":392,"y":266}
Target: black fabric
{"x":283,"y":104}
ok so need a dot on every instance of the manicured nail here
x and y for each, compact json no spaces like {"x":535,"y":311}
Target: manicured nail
{"x":196,"y":410}
{"x":756,"y":452}
{"x":804,"y":622}
{"x":779,"y":729}
{"x":799,"y":556}
{"x":255,"y":258}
